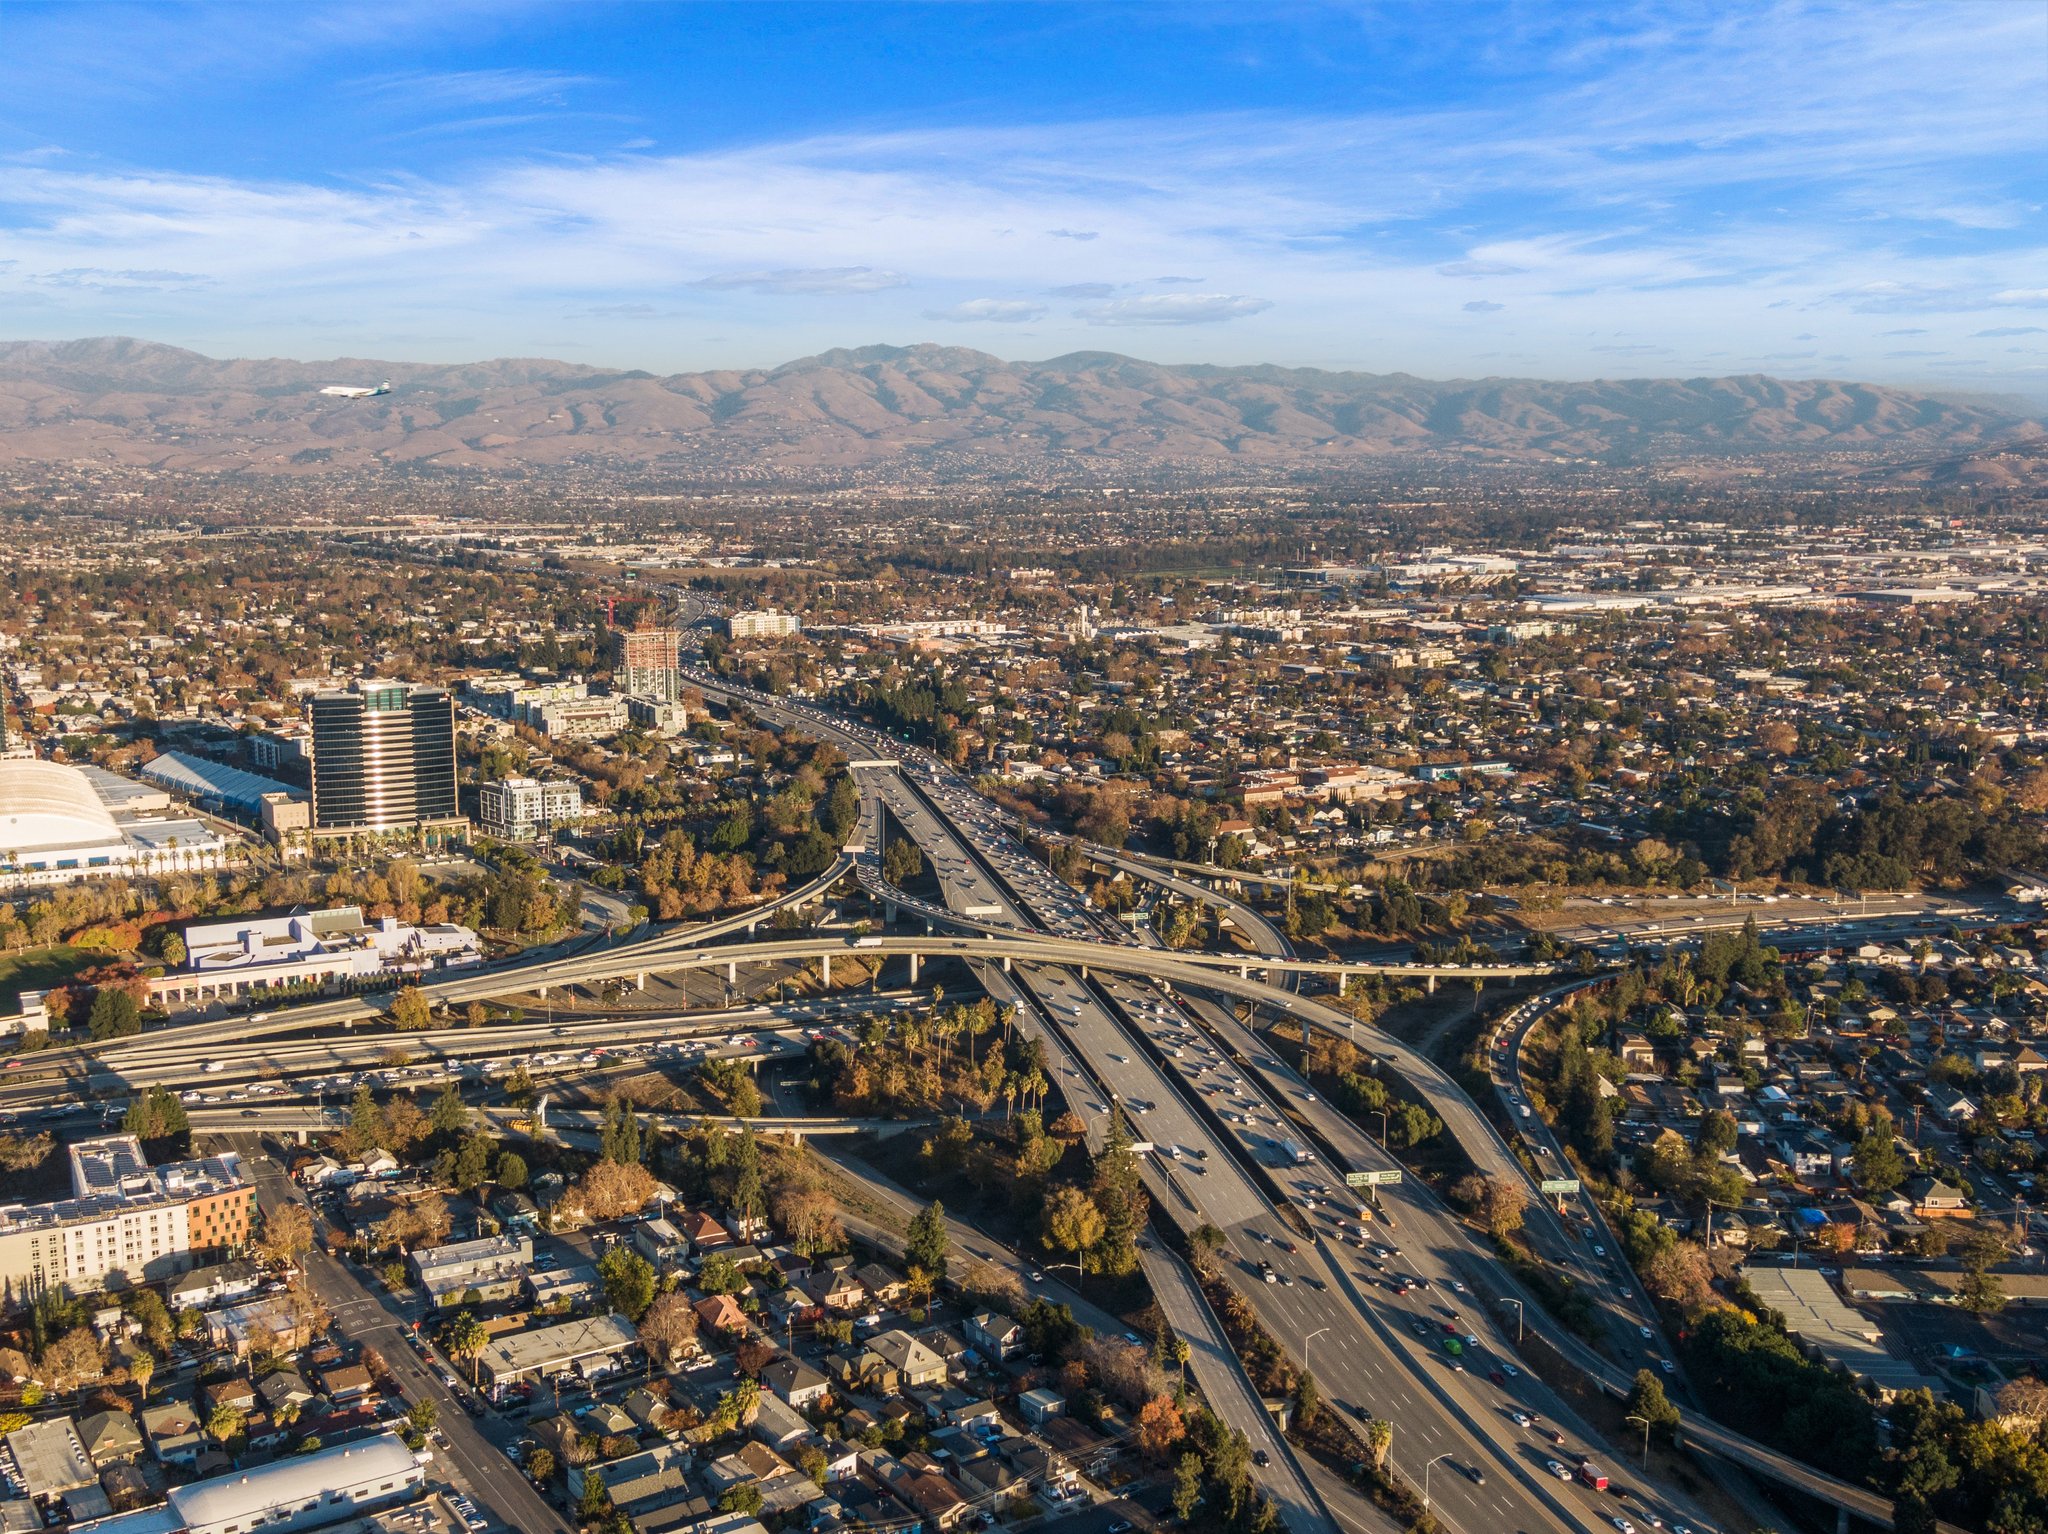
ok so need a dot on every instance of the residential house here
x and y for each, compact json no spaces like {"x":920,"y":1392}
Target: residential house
{"x":994,"y":1335}
{"x":913,"y":1363}
{"x":796,"y":1382}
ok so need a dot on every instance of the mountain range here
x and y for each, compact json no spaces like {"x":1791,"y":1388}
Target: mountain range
{"x":934,"y":409}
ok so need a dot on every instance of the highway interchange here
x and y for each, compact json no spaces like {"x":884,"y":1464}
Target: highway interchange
{"x":1129,"y":1029}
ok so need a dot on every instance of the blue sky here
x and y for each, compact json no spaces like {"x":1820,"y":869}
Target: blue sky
{"x":1572,"y":190}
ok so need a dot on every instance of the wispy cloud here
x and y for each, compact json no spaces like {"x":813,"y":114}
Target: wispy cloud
{"x":470,"y":87}
{"x":1000,"y":311}
{"x":1173,"y":309}
{"x":811,"y":281}
{"x":1483,"y":306}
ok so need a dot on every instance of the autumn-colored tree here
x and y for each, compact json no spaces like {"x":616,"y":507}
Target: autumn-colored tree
{"x":1682,"y":1275}
{"x":1160,"y":1427}
{"x":669,"y":1326}
{"x":611,"y":1190}
{"x":411,"y":1012}
{"x":287,"y":1234}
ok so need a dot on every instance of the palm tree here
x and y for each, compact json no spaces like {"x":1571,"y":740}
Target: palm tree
{"x":466,"y":1338}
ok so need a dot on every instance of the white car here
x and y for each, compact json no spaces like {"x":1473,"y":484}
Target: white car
{"x":1645,"y":1331}
{"x":1558,"y":1470}
{"x":1623,"y":1525}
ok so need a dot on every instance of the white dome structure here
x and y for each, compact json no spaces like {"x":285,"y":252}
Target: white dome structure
{"x":46,"y":805}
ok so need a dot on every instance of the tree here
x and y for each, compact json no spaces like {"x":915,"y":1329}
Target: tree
{"x":467,"y":1338}
{"x":1379,"y":1441}
{"x":1981,"y":1292}
{"x":1879,"y":1166}
{"x":927,"y":1243}
{"x":810,"y":1218}
{"x":668,"y":1326}
{"x":1308,"y":1400}
{"x":287,"y":1234}
{"x":610,"y":1190}
{"x":628,"y":1280}
{"x":511,"y":1171}
{"x":719,"y":1274}
{"x":473,"y":1162}
{"x":449,"y":1116}
{"x":540,"y":1466}
{"x":1497,"y":1202}
{"x":225,"y":1423}
{"x":1072,"y":1222}
{"x":1187,"y":1486}
{"x":73,"y":1360}
{"x":1681,"y":1275}
{"x":1159,"y":1427}
{"x":411,"y":1012}
{"x":115,"y":1014}
{"x":1646,"y":1400}
{"x":619,"y":1138}
{"x":156,"y":1115}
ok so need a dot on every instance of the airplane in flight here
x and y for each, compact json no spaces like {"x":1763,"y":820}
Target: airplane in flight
{"x":357,"y":391}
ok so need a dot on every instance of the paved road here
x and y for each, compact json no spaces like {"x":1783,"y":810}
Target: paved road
{"x":472,"y":1459}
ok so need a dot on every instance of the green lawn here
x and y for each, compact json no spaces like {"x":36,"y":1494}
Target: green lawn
{"x":38,"y":969}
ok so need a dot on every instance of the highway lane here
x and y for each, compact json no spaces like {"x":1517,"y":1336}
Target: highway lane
{"x":1207,"y":1182}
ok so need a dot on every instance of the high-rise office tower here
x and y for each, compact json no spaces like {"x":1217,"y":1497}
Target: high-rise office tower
{"x":644,"y":663}
{"x":383,"y":758}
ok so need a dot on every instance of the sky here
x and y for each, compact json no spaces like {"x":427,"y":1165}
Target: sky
{"x":1572,"y":190}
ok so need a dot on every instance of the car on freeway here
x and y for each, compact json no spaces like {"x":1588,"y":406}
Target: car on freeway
{"x":1645,"y":1331}
{"x":1261,"y":1457}
{"x":1623,"y":1525}
{"x":1562,"y":1472}
{"x":1520,"y":1418}
{"x":1599,"y":1251}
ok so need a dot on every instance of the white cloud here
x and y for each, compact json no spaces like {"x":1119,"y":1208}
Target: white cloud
{"x":1173,"y":309}
{"x":807,"y":280}
{"x":1483,"y":306}
{"x":1000,"y":311}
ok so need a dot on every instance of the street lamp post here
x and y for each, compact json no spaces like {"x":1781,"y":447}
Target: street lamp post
{"x":1425,"y":1477}
{"x":1383,"y":1126}
{"x":1510,"y":1300}
{"x":1311,"y":1337}
{"x":1645,"y":1422}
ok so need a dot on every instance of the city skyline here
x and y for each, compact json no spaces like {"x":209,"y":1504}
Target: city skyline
{"x":1799,"y":190}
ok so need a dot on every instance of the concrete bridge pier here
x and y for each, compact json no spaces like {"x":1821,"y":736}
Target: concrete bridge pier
{"x":752,"y":926}
{"x":1006,"y":964}
{"x":1841,"y":1520}
{"x":914,"y":964}
{"x":1430,"y":984}
{"x":732,"y":972}
{"x":825,"y":967}
{"x":888,"y":913}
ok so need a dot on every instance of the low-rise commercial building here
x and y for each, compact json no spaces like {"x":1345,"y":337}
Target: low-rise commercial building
{"x":307,"y":1491}
{"x":589,"y":1347}
{"x":251,"y":954}
{"x":492,"y":1269}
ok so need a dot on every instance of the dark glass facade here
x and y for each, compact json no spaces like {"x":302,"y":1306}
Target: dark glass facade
{"x":383,"y":758}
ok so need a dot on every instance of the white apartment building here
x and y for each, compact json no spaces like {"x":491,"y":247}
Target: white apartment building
{"x":764,"y":624}
{"x":126,"y":1222}
{"x":519,"y":807}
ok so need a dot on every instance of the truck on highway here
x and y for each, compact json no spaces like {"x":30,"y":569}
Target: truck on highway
{"x":1293,"y":1152}
{"x":1593,"y":1476}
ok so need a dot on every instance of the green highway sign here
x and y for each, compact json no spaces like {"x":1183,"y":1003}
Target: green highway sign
{"x":1371,"y":1179}
{"x":1560,"y":1185}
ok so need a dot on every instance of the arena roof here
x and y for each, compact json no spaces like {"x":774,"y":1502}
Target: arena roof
{"x":50,"y":804}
